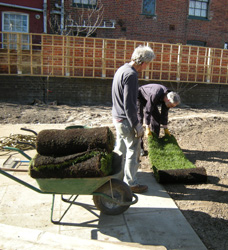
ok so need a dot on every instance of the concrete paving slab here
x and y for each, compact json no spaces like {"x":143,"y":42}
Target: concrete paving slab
{"x":23,"y":238}
{"x":154,"y":221}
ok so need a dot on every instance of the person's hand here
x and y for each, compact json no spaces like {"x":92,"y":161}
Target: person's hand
{"x":148,"y":132}
{"x":139,"y":130}
{"x":167,"y":131}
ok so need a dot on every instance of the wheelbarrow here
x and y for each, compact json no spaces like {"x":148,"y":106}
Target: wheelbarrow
{"x":110,"y":194}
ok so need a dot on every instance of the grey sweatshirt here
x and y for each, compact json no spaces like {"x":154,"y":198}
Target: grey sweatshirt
{"x":124,"y":94}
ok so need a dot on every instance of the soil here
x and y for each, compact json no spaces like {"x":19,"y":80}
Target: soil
{"x":202,"y":133}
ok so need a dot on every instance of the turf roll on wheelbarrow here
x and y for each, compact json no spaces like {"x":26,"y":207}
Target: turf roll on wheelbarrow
{"x":110,"y":194}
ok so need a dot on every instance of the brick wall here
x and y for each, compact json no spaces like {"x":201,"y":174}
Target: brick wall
{"x":170,"y":24}
{"x":100,"y":58}
{"x":96,"y":91}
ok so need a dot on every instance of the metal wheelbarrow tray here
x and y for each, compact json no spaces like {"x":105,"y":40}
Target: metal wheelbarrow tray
{"x":110,"y":194}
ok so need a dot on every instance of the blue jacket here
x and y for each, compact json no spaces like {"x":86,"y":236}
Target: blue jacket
{"x":150,"y":96}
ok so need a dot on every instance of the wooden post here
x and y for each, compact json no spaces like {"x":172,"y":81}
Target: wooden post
{"x":197,"y":62}
{"x":103,"y":58}
{"x":209,"y":65}
{"x":19,"y":59}
{"x":31,"y":54}
{"x":179,"y":62}
{"x":220,"y":66}
{"x":84,"y":55}
{"x":67,"y":56}
{"x":94,"y":56}
{"x":147,"y":68}
{"x":162,"y":60}
{"x":8,"y":52}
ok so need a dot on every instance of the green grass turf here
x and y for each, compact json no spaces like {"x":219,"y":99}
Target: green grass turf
{"x":165,"y":154}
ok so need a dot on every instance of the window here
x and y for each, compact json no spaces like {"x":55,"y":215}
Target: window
{"x":196,"y":43}
{"x":18,"y":23}
{"x":198,"y":9}
{"x":85,"y":3}
{"x":148,"y":7}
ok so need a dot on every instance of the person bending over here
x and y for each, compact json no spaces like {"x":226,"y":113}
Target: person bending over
{"x":150,"y":97}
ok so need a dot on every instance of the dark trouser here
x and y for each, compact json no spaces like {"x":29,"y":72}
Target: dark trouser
{"x":141,"y":102}
{"x":154,"y":120}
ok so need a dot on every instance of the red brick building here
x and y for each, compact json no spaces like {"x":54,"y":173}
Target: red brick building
{"x":193,"y":22}
{"x":24,"y":16}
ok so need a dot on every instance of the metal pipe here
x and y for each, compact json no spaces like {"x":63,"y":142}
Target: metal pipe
{"x":18,"y":150}
{"x":23,"y":182}
{"x":62,"y":16}
{"x":45,"y":16}
{"x":90,"y":26}
{"x":82,"y":26}
{"x":20,"y":7}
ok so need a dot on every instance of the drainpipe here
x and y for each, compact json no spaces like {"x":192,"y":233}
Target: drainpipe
{"x":62,"y":16}
{"x":45,"y":16}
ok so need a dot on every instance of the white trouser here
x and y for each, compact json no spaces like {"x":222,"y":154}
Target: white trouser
{"x":129,"y":145}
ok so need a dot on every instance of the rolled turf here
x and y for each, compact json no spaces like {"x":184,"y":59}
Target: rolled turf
{"x":81,"y":165}
{"x":169,"y":163}
{"x":55,"y":142}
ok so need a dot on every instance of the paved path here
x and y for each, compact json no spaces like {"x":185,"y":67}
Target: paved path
{"x":154,"y":222}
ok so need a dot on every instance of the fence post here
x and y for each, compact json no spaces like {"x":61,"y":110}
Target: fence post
{"x":179,"y":61}
{"x":19,"y":59}
{"x":8,"y":51}
{"x":209,"y":65}
{"x":147,"y":68}
{"x":103,"y":57}
{"x":67,"y":56}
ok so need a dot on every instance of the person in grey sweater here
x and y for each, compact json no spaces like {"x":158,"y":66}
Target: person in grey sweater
{"x":150,"y":97}
{"x":124,"y":112}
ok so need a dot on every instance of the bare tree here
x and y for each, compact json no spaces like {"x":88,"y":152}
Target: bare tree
{"x":78,"y":21}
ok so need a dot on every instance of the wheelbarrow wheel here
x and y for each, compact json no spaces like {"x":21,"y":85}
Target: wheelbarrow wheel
{"x":118,"y":190}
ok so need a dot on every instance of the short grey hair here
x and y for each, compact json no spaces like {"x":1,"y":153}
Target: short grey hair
{"x":174,"y":97}
{"x":142,"y":54}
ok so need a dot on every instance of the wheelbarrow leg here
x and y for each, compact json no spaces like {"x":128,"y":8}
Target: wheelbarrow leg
{"x":69,"y":199}
{"x":52,"y":208}
{"x":86,"y":206}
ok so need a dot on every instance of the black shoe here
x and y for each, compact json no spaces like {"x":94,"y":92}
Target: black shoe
{"x":139,"y":188}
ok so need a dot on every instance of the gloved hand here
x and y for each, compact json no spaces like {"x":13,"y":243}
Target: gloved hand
{"x":167,"y":132}
{"x":148,"y":132}
{"x":139,"y":130}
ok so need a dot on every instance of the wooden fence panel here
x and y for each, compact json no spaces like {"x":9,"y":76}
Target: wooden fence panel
{"x":68,"y":56}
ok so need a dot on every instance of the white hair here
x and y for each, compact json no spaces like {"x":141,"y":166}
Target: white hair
{"x":142,"y":54}
{"x":174,"y":97}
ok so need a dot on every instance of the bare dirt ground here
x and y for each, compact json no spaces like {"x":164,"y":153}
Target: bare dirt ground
{"x":201,"y":132}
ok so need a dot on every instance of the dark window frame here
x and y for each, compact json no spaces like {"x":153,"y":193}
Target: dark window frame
{"x":196,"y":43}
{"x":200,"y":17}
{"x":145,"y":5}
{"x":82,"y":5}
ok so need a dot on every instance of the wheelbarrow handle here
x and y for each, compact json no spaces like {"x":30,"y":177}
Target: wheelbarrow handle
{"x":18,"y":150}
{"x":14,"y":178}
